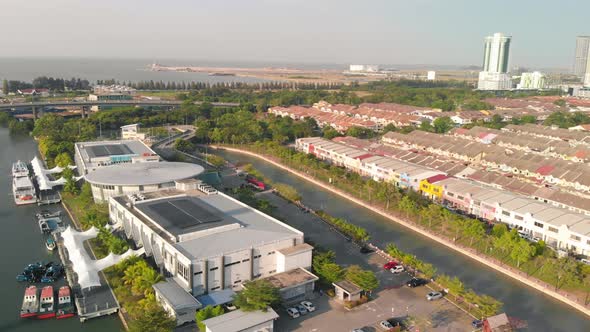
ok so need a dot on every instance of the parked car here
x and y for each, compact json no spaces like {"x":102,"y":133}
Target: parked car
{"x":302,"y":310}
{"x":397,"y":269}
{"x":294,"y":313}
{"x":308,"y":305}
{"x":434,"y":296}
{"x":385,"y":325}
{"x":478,"y":323}
{"x":390,"y":265}
{"x":415,"y":282}
{"x":366,"y":250}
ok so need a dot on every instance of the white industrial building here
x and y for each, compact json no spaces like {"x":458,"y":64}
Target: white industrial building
{"x":209,"y":242}
{"x":532,"y":81}
{"x":364,"y":68}
{"x":128,"y":179}
{"x":90,"y":156}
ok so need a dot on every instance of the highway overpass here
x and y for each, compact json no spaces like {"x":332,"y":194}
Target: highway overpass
{"x":61,"y":103}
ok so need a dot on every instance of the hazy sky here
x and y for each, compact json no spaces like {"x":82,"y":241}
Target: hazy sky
{"x":445,"y":32}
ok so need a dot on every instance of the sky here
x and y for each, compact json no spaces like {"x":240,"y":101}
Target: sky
{"x":439,"y":32}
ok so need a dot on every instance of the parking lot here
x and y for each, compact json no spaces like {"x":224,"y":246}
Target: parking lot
{"x":392,"y":300}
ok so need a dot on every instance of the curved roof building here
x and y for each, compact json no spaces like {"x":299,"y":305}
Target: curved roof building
{"x":127,"y":179}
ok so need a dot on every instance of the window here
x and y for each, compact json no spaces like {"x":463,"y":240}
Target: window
{"x":256,"y":276}
{"x":213,"y":269}
{"x":517,"y":217}
{"x":271,"y":253}
{"x":233,"y":263}
{"x":182,"y":271}
{"x":553,"y":229}
{"x":237,"y":281}
{"x":197,"y":273}
{"x":450,"y":194}
{"x":272,"y":271}
{"x":575,"y":237}
{"x":506,"y":213}
{"x":215,"y":288}
{"x":538,"y":224}
{"x":460,"y":197}
{"x":246,"y":260}
{"x":257,"y":256}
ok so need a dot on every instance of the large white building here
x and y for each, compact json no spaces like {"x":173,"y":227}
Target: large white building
{"x":494,"y":75}
{"x":364,"y":68}
{"x":532,"y":81}
{"x":90,"y":156}
{"x":209,"y":242}
{"x":128,"y":179}
{"x":581,"y":57}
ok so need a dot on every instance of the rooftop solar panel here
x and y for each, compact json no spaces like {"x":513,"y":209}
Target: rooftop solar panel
{"x":183,"y":213}
{"x":109,"y":150}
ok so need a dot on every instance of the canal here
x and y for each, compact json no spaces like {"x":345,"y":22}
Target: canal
{"x":541,"y":312}
{"x":22,"y":243}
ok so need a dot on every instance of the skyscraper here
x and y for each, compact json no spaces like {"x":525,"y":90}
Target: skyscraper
{"x":495,"y":63}
{"x":581,"y":60}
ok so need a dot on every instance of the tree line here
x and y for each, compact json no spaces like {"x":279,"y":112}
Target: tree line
{"x":44,"y":82}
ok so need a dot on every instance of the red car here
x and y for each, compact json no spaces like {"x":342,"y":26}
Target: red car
{"x":390,"y":265}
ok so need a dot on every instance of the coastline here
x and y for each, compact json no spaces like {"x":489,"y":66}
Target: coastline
{"x":517,"y":275}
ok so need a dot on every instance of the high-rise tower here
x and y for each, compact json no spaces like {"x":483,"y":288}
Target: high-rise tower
{"x":581,"y":60}
{"x":495,"y":63}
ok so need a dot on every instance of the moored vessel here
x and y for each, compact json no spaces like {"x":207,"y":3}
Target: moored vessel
{"x":23,"y":190}
{"x":30,"y":305}
{"x":46,"y":303}
{"x":20,"y":169}
{"x":50,"y":244}
{"x":65,"y":305}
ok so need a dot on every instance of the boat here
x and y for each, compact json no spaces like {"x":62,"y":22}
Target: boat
{"x":30,"y":305}
{"x":50,"y":244}
{"x":52,"y":273}
{"x":20,"y":169}
{"x":50,"y":225}
{"x":23,"y":190}
{"x":44,"y":226}
{"x":44,"y":214}
{"x":46,"y":303}
{"x":65,"y":305}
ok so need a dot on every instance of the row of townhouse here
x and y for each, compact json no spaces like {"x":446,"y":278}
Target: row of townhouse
{"x":559,"y":228}
{"x":573,"y":137}
{"x":553,"y":196}
{"x":339,"y":122}
{"x":549,"y":147}
{"x":532,"y":167}
{"x":535,"y":104}
{"x":377,"y":167}
{"x":398,"y":115}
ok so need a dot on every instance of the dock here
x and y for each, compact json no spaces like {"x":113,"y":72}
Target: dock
{"x":93,"y":302}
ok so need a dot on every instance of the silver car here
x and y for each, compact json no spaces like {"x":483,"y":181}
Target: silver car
{"x":385,"y":325}
{"x":434,"y":296}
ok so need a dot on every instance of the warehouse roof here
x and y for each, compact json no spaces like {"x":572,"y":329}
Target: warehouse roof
{"x":143,"y":173}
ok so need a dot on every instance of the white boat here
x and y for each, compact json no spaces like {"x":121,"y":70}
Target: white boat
{"x":23,"y":190}
{"x":20,"y":169}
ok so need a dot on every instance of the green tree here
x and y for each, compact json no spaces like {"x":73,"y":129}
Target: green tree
{"x":499,"y":229}
{"x":152,"y":318}
{"x":257,"y":295}
{"x":324,"y":266}
{"x":407,"y":206}
{"x":329,"y":133}
{"x":443,"y":124}
{"x":63,"y":160}
{"x":522,"y":252}
{"x":206,"y":313}
{"x":287,"y":191}
{"x":71,"y":187}
{"x":365,"y":279}
{"x":473,"y":229}
{"x":426,"y":126}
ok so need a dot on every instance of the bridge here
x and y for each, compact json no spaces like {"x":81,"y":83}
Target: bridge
{"x":85,"y":104}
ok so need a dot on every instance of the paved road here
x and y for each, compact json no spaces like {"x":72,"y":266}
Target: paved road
{"x":107,"y":103}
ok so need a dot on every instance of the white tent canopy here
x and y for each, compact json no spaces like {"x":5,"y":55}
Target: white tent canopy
{"x":86,"y":268}
{"x":41,"y":174}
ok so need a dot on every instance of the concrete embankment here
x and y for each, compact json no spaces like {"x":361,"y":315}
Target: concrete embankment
{"x":496,"y":265}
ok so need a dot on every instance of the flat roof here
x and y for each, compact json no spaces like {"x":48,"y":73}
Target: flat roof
{"x":175,"y":295}
{"x":239,"y":320}
{"x":348,"y":286}
{"x":146,"y":173}
{"x":101,"y":149}
{"x":302,"y":247}
{"x":291,"y":278}
{"x":217,"y":298}
{"x":182,"y":215}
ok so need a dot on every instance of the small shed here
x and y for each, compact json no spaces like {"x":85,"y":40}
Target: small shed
{"x":498,"y":323}
{"x":176,"y":301}
{"x":241,"y":321}
{"x":347,"y":291}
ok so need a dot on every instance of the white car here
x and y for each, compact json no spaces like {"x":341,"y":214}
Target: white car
{"x":434,"y":296}
{"x":385,"y":325}
{"x":397,"y":269}
{"x":294,"y":313}
{"x":308,"y":305}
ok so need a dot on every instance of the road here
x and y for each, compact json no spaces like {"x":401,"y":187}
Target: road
{"x":62,"y":103}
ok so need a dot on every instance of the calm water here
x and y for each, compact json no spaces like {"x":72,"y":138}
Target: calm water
{"x":26,"y":69}
{"x":541,"y":312}
{"x":22,"y":243}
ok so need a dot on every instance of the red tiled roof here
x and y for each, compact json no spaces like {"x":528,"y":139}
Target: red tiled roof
{"x":436,"y":178}
{"x":545,"y":169}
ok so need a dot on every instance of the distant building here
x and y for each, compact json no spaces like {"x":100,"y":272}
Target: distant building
{"x":495,"y":63}
{"x":364,"y":68}
{"x":431,"y":75}
{"x":110,"y":92}
{"x":581,"y":58}
{"x":34,"y":92}
{"x":532,"y":81}
{"x":132,"y":132}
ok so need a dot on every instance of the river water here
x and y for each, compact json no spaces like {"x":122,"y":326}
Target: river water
{"x":541,"y":312}
{"x":22,"y":243}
